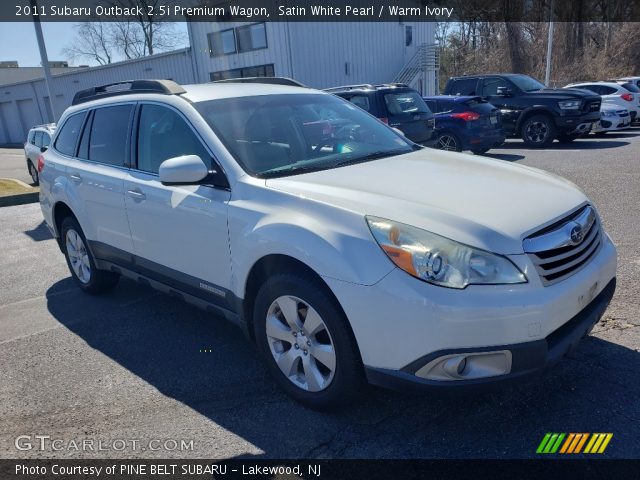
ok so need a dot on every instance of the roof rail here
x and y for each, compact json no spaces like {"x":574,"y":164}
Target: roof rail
{"x":393,"y":85}
{"x":128,"y":87}
{"x":269,"y":80}
{"x":349,"y":87}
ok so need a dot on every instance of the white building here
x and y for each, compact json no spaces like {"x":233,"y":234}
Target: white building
{"x":320,"y":55}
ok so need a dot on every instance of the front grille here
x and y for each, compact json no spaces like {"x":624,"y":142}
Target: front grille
{"x":592,"y":106}
{"x":558,"y":251}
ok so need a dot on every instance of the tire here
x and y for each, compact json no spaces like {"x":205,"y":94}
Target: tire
{"x":33,"y":172}
{"x":80,"y":260}
{"x":568,"y":137}
{"x":328,"y":384}
{"x":449,"y":142}
{"x":538,"y":131}
{"x":480,"y":151}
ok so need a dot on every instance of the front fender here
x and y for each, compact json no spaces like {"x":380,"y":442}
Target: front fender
{"x":335,"y":243}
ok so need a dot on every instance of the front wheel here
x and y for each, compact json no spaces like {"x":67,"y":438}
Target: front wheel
{"x":538,"y":131}
{"x":80,"y":260}
{"x":306,"y":342}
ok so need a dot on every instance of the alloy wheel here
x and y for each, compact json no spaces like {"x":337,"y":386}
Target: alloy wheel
{"x":537,"y":132}
{"x":300,"y":343}
{"x":78,"y":256}
{"x":447,"y":142}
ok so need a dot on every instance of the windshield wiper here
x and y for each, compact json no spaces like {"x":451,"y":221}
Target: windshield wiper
{"x":370,"y":156}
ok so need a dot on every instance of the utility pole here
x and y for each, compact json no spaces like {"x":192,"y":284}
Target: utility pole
{"x":43,"y":56}
{"x":547,"y":75}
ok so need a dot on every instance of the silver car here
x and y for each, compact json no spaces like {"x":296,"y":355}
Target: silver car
{"x":37,"y":143}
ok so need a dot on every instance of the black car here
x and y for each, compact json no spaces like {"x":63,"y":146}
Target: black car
{"x":395,"y":104}
{"x":465,"y":123}
{"x":530,"y":110}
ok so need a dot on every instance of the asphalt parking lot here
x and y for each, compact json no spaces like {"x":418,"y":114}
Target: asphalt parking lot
{"x":130,"y":364}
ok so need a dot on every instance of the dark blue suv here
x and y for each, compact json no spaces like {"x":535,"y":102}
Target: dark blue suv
{"x":465,"y":123}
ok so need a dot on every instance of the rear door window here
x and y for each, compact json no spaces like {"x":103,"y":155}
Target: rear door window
{"x":68,"y":136}
{"x":109,"y":134}
{"x":46,"y":139}
{"x":38,"y":139}
{"x":463,"y":86}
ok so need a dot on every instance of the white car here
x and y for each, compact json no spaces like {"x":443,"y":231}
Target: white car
{"x":348,"y":253}
{"x":38,"y":141}
{"x":613,"y":93}
{"x":612,"y":118}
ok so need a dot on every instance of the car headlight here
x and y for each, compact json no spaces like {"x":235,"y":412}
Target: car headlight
{"x":608,"y":113}
{"x":569,"y":104}
{"x":438,"y":260}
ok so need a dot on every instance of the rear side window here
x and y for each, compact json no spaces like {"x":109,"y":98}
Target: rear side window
{"x":605,"y":90}
{"x":46,"y":139}
{"x":109,"y":134}
{"x":32,"y":137}
{"x":38,"y":139}
{"x":631,"y":87}
{"x":405,"y":102}
{"x":462,"y":86}
{"x":361,"y":101}
{"x":66,"y":139}
{"x":163,"y":134}
{"x":594,"y":88}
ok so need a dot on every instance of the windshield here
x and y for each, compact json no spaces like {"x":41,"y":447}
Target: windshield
{"x":277,"y":135}
{"x":526,"y":83}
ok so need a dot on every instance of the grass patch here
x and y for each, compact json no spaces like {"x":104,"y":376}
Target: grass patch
{"x":12,"y":187}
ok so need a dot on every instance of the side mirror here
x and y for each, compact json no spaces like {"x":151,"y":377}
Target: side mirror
{"x":504,"y":91}
{"x":43,"y":149}
{"x":187,"y":169}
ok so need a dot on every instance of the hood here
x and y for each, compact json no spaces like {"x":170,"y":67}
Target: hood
{"x":485,"y":203}
{"x":565,"y":93}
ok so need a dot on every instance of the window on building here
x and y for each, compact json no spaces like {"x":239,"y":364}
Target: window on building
{"x":223,"y":42}
{"x":251,"y":37}
{"x":257,"y":71}
{"x":408,"y":35}
{"x":109,"y":133}
{"x":66,"y":139}
{"x":163,"y":134}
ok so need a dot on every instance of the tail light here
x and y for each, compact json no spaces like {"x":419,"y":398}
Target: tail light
{"x":384,"y":120}
{"x":40,"y":163}
{"x":627,"y":96}
{"x":466,"y":116}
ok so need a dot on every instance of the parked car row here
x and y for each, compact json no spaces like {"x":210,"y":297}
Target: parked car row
{"x":38,"y":141}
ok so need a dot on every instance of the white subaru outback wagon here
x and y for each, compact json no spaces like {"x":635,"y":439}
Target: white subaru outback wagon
{"x":349,"y":254}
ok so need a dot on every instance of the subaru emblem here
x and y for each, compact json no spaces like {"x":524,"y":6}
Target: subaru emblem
{"x":577,"y":234}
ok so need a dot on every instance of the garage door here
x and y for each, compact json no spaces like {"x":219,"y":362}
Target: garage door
{"x":11,"y":123}
{"x":29,"y":117}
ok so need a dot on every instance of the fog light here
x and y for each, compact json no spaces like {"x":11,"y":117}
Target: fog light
{"x":466,"y":366}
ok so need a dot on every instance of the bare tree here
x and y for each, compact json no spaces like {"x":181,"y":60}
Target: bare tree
{"x":93,"y":41}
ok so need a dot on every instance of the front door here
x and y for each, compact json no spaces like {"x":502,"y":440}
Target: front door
{"x":179,"y":233}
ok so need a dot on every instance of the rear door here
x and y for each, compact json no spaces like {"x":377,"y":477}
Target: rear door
{"x":409,"y":112}
{"x":98,"y":176}
{"x":179,"y":232}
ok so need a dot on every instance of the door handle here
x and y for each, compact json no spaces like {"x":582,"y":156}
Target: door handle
{"x":136,"y":194}
{"x":75,"y":177}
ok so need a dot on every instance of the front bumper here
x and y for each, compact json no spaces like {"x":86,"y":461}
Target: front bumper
{"x":527,"y":359}
{"x":569,"y":123}
{"x":400,"y":322}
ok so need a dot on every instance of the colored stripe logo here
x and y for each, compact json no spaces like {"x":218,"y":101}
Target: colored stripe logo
{"x":574,"y":443}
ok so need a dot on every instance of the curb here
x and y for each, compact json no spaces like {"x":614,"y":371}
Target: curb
{"x":19,"y":199}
